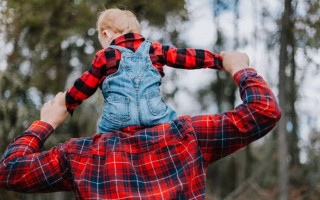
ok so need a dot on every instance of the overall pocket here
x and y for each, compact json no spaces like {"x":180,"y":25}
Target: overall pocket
{"x":117,"y":108}
{"x":155,"y":104}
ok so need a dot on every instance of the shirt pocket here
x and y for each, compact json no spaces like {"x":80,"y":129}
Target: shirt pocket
{"x":117,"y":108}
{"x":155,"y":104}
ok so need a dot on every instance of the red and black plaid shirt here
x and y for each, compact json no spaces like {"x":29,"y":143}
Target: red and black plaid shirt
{"x":167,"y":161}
{"x":106,"y":62}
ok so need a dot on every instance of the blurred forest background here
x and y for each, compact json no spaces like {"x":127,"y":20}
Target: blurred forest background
{"x":46,"y":44}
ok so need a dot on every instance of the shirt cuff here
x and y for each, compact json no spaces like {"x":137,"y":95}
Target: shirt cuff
{"x":70,"y":111}
{"x":243,"y":74}
{"x":40,"y":129}
{"x":218,"y":62}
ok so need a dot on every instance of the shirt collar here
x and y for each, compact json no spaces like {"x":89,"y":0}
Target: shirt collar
{"x":127,"y":37}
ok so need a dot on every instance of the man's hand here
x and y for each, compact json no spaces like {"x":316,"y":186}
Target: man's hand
{"x":55,"y":112}
{"x":233,"y":61}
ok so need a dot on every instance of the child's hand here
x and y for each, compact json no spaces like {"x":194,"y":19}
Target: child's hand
{"x":234,"y":61}
{"x":55,"y":112}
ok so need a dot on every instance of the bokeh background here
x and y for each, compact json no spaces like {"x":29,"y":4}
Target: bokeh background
{"x":46,"y":44}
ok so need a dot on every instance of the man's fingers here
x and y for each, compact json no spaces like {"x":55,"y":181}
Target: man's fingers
{"x":248,"y":59}
{"x":48,"y":103}
{"x":60,"y":94}
{"x":54,"y":111}
{"x":58,"y":99}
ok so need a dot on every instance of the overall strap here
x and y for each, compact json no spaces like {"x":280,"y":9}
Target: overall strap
{"x":144,"y":48}
{"x":121,"y":49}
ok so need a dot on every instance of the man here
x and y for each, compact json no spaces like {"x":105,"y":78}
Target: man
{"x":167,"y":161}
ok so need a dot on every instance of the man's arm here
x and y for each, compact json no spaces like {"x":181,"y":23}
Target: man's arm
{"x":186,"y":58}
{"x":222,"y":134}
{"x":24,"y":169}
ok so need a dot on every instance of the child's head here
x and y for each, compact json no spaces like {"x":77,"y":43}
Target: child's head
{"x":115,"y":22}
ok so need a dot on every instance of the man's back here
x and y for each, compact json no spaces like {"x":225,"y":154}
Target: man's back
{"x":168,"y":161}
{"x":162,"y":162}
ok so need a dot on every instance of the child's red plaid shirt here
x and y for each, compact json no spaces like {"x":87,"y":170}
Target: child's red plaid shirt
{"x":106,"y":62}
{"x":168,"y":161}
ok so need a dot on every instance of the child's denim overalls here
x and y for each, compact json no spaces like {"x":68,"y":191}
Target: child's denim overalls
{"x":132,"y":94}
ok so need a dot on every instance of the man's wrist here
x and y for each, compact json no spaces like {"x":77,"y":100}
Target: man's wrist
{"x":237,"y":69}
{"x":53,"y":125}
{"x":242,"y":74}
{"x":40,"y":129}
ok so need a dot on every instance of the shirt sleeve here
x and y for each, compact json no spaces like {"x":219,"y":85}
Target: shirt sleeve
{"x":187,"y":58}
{"x":24,"y":169}
{"x":87,"y":83}
{"x":222,"y":134}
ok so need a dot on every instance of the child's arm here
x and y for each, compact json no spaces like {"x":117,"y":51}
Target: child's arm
{"x":87,"y":83}
{"x":187,"y":58}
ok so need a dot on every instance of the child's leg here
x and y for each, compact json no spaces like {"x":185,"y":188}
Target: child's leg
{"x":107,"y":126}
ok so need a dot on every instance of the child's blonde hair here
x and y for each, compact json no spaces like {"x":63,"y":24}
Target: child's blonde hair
{"x":118,"y":21}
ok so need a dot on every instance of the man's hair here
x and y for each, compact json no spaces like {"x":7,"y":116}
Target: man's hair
{"x":118,"y":21}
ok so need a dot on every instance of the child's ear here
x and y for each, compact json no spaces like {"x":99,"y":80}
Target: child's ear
{"x":107,"y":33}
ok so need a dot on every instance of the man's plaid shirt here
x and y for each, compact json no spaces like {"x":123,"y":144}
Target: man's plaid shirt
{"x":168,"y":161}
{"x":106,"y":62}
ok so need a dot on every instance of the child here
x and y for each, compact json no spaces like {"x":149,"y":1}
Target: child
{"x":129,"y":73}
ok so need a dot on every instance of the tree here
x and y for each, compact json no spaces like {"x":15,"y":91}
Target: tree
{"x":283,"y":84}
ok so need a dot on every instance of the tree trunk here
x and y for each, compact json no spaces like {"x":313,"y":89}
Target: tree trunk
{"x":282,"y":131}
{"x":293,"y":146}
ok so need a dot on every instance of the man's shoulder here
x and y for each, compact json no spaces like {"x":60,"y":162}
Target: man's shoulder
{"x":133,"y":140}
{"x":183,"y":123}
{"x":79,"y":145}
